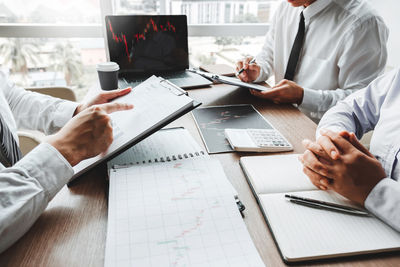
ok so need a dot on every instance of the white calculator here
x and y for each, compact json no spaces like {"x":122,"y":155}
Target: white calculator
{"x":257,"y":140}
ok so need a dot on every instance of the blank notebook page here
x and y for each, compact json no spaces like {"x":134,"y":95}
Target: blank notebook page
{"x":304,"y":232}
{"x":276,"y":174}
{"x":176,"y":214}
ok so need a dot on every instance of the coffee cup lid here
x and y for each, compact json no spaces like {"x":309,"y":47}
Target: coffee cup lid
{"x":107,"y":66}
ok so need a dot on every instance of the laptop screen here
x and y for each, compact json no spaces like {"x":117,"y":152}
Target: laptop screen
{"x":148,"y":44}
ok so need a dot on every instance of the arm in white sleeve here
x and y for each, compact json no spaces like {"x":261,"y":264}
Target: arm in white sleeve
{"x":384,"y":202}
{"x":26,"y":188}
{"x":265,"y":59}
{"x":359,"y":112}
{"x":362,"y":58}
{"x":36,"y":111}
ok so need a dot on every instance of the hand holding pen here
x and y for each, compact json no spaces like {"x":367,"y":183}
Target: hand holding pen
{"x":247,"y":69}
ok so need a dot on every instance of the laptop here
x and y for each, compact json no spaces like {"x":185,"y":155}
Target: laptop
{"x":146,"y":45}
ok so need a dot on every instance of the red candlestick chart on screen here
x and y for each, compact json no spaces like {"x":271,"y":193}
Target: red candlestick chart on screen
{"x":151,"y":27}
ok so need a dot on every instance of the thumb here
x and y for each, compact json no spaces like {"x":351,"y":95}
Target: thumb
{"x":113,"y":107}
{"x":279,"y":84}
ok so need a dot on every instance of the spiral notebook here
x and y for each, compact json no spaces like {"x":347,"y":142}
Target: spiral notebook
{"x":168,"y":144}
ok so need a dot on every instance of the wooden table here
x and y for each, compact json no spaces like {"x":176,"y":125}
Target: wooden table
{"x":72,"y":230}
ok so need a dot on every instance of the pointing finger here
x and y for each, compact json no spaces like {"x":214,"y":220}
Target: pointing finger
{"x":109,"y":95}
{"x":113,"y":107}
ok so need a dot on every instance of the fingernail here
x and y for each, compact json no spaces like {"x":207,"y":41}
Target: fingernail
{"x":334,"y":154}
{"x":322,"y":187}
{"x":324,"y":182}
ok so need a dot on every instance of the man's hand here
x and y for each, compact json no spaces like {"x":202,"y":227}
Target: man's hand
{"x":284,"y":92}
{"x":251,"y":71}
{"x":339,"y":162}
{"x":102,"y":98}
{"x":87,"y":134}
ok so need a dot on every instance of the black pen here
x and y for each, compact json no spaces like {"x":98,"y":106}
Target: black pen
{"x":242,"y":69}
{"x":319,"y":204}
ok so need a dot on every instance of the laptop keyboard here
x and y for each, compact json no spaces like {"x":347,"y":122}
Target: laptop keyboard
{"x":132,"y":82}
{"x":178,"y":75}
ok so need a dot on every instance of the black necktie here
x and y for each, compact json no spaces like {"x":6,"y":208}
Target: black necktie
{"x":296,"y":48}
{"x":9,"y":150}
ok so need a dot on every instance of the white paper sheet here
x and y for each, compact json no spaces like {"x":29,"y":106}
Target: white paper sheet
{"x":176,"y":214}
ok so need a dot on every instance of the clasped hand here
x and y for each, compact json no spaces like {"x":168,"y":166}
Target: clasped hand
{"x":339,"y":162}
{"x":89,"y":132}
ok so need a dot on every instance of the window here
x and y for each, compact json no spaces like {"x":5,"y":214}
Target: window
{"x":225,"y":11}
{"x":203,"y":11}
{"x":53,"y":61}
{"x":222,"y":50}
{"x":137,"y":7}
{"x":45,"y":33}
{"x":50,"y":11}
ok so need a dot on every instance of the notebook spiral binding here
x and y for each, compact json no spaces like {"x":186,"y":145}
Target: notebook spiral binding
{"x":162,"y":159}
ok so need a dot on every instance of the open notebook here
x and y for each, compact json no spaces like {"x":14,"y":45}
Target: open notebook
{"x":304,"y":233}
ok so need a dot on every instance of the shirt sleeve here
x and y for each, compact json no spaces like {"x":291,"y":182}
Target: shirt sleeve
{"x":384,"y":202}
{"x":265,"y":59}
{"x":37,"y":111}
{"x":361,"y":59}
{"x":27,"y":187}
{"x":359,"y":112}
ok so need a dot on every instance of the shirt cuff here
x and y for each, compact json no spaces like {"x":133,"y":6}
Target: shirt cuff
{"x":64,"y":112}
{"x":311,"y":99}
{"x":48,"y":167}
{"x":263,"y":76}
{"x":383,"y":201}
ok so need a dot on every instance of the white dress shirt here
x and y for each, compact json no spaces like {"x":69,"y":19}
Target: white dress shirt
{"x":28,"y":186}
{"x":375,"y":107}
{"x":344,"y":50}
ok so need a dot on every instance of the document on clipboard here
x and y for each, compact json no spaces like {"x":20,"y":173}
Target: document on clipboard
{"x":157,"y":102}
{"x":232,"y":81}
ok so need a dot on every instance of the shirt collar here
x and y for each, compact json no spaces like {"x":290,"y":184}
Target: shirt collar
{"x":314,"y":8}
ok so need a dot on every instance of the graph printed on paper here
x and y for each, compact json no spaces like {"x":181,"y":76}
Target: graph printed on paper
{"x":176,"y":214}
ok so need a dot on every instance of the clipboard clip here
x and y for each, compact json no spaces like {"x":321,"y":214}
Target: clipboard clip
{"x":172,"y":87}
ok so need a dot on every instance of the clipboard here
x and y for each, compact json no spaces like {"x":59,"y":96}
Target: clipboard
{"x":232,"y":81}
{"x":153,"y":85}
